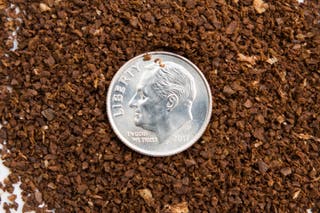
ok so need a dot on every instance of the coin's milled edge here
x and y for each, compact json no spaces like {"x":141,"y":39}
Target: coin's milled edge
{"x":152,"y":153}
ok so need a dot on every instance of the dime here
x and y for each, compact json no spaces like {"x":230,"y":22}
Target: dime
{"x":159,"y":103}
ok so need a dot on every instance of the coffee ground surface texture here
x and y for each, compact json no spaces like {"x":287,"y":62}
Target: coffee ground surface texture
{"x":259,"y":153}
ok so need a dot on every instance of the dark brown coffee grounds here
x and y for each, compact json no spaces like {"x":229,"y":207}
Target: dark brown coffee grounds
{"x":260,"y":152}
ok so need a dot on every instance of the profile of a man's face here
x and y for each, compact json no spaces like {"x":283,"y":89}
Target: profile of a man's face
{"x":163,"y":99}
{"x":149,"y":106}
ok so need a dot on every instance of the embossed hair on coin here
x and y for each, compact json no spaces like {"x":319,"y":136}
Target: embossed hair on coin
{"x":163,"y":99}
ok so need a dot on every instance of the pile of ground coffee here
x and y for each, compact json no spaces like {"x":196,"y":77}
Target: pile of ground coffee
{"x":260,"y":152}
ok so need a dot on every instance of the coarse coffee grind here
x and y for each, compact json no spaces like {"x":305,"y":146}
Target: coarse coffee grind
{"x":260,"y":152}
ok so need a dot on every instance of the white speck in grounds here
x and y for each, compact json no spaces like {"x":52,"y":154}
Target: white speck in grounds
{"x":4,"y":173}
{"x":17,"y":191}
{"x":9,"y":88}
{"x":4,"y":170}
{"x":13,"y":35}
{"x":4,"y":195}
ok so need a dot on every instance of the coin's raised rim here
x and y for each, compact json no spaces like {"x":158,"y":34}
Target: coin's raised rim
{"x":152,"y":153}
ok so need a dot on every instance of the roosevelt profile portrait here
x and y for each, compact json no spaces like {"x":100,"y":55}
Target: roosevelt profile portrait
{"x":163,"y":99}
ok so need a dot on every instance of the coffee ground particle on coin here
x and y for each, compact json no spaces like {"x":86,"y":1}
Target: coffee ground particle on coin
{"x":266,"y":52}
{"x":147,"y":57}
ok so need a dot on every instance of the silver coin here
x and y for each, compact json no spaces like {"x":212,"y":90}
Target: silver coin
{"x":159,"y":103}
